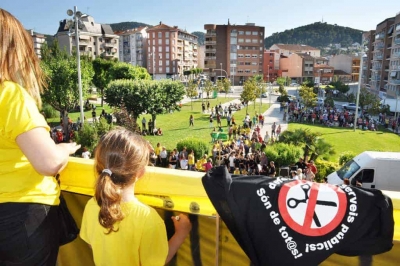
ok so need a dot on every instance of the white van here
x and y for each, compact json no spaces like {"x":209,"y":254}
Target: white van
{"x":380,"y":170}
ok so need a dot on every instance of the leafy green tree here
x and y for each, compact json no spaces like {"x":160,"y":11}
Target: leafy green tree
{"x":283,"y":154}
{"x":340,"y":86}
{"x":301,"y":137}
{"x":320,"y":148}
{"x":249,"y":92}
{"x":62,"y":92}
{"x":224,"y":85}
{"x":281,"y":81}
{"x":101,"y":77}
{"x":122,"y":70}
{"x":191,"y":91}
{"x":208,"y":87}
{"x":369,"y":99}
{"x":308,"y":96}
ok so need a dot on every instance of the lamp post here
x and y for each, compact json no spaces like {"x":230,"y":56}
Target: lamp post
{"x":221,"y":69}
{"x":359,"y":88}
{"x":77,"y":15}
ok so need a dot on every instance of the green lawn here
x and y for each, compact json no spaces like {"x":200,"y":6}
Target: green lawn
{"x":175,"y":126}
{"x":345,"y":139}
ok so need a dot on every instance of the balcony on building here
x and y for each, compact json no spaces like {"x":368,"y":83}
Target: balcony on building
{"x":211,"y":33}
{"x":210,"y":42}
{"x":380,"y":36}
{"x":397,"y":40}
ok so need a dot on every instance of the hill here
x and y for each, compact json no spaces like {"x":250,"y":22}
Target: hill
{"x":200,"y":36}
{"x":318,"y":35}
{"x":121,"y":26}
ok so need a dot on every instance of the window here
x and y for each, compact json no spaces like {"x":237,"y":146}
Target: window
{"x":254,"y":55}
{"x":160,"y":49}
{"x":254,"y":63}
{"x":254,"y":71}
{"x":255,"y":33}
{"x":167,"y":34}
{"x":159,"y":56}
{"x":159,"y":41}
{"x":160,"y":70}
{"x":167,"y":48}
{"x":167,"y":63}
{"x":247,"y":63}
{"x":240,"y":71}
{"x":248,"y":32}
{"x":160,"y":62}
{"x":154,"y":35}
{"x":160,"y":35}
{"x":167,"y":55}
{"x":247,"y":71}
{"x":241,"y":32}
{"x":254,"y":41}
{"x":173,"y":42}
{"x":248,"y":55}
{"x":167,"y":69}
{"x":173,"y":69}
{"x":148,"y":42}
{"x":167,"y":41}
{"x":248,"y":40}
{"x":240,"y":56}
{"x":241,"y":63}
{"x":148,"y":49}
{"x":240,"y":40}
{"x":261,"y":40}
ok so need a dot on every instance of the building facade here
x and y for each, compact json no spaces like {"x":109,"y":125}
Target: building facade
{"x":393,"y":86}
{"x":381,"y":57}
{"x":234,"y":51}
{"x":288,"y":49}
{"x":170,"y":52}
{"x":368,"y":40}
{"x":132,"y":48}
{"x":38,"y":40}
{"x":94,"y":39}
{"x":271,"y":65}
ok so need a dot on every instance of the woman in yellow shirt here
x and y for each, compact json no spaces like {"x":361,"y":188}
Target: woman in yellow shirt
{"x":191,"y":160}
{"x":29,"y":158}
{"x":120,"y":229}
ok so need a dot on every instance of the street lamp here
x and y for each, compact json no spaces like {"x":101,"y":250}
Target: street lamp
{"x":359,"y":88}
{"x":77,"y":15}
{"x":221,"y":69}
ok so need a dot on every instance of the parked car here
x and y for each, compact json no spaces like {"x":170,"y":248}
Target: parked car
{"x":350,"y":106}
{"x":264,"y":95}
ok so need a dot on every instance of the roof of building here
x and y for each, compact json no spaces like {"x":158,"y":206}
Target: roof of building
{"x":106,"y":29}
{"x":340,"y":72}
{"x":295,"y":47}
{"x":305,"y":56}
{"x":162,"y":26}
{"x":321,"y":58}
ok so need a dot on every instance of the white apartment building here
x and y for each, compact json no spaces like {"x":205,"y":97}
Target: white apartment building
{"x":38,"y":40}
{"x":132,"y":46}
{"x":94,"y":39}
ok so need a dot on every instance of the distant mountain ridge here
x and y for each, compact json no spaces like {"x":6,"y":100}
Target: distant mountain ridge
{"x":318,"y":34}
{"x":122,"y":26}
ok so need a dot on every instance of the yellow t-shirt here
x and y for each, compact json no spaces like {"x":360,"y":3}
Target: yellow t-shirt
{"x":157,"y":150}
{"x":19,"y":182}
{"x":140,"y":241}
{"x":191,"y":159}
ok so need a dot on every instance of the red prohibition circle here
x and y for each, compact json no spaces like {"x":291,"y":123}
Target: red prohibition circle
{"x":306,"y":229}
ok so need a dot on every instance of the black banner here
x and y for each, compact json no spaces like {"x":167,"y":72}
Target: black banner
{"x":279,"y":221}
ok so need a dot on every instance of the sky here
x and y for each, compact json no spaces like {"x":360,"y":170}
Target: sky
{"x":43,"y":16}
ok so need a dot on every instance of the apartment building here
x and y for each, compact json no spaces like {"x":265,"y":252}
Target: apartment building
{"x":271,"y":65}
{"x":170,"y":52}
{"x":38,"y":40}
{"x":234,"y":51}
{"x":393,"y":86}
{"x":94,"y":39}
{"x":298,"y":66}
{"x":132,"y":48}
{"x":368,"y":39}
{"x":323,"y":73}
{"x":348,"y":64}
{"x":381,"y":56}
{"x":288,"y":49}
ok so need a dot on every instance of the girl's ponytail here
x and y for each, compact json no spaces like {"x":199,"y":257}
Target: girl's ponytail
{"x":108,"y":197}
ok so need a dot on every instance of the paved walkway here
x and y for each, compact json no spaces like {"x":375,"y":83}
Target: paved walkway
{"x":273,"y":115}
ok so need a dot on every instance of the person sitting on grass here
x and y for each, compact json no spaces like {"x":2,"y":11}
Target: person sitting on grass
{"x":159,"y":132}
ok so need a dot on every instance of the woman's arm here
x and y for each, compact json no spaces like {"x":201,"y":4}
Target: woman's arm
{"x":46,"y":157}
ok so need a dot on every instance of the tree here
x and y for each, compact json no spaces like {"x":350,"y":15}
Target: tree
{"x":301,"y":137}
{"x":260,"y":86}
{"x":121,"y":70}
{"x":101,"y":76}
{"x":249,"y":92}
{"x":208,"y":87}
{"x":224,"y":85}
{"x":340,"y":86}
{"x":369,"y":99}
{"x":62,"y":91}
{"x":191,"y":91}
{"x":308,"y":96}
{"x":283,"y":154}
{"x":281,"y":81}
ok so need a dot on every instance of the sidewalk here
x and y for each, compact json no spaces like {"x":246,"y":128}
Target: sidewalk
{"x":273,"y":115}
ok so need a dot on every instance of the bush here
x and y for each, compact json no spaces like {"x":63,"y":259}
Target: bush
{"x":87,"y":136}
{"x":49,"y":111}
{"x":345,"y":157}
{"x":283,"y":154}
{"x":324,"y":169}
{"x":200,"y":147}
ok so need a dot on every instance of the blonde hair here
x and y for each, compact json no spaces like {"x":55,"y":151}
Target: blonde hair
{"x":126,"y":155}
{"x":18,"y":61}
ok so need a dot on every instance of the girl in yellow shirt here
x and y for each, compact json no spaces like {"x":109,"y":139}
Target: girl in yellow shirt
{"x":120,"y":229}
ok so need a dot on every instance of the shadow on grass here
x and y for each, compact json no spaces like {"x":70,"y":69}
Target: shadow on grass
{"x":341,"y":129}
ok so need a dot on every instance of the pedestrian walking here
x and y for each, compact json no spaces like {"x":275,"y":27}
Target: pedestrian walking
{"x":191,"y":121}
